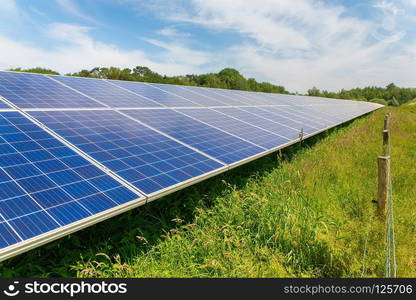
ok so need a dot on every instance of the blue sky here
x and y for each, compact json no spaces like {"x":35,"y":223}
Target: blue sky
{"x":296,"y":43}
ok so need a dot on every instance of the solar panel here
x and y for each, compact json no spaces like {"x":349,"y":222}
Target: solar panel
{"x":152,"y":92}
{"x":213,"y":93}
{"x":278,"y":117}
{"x":271,"y":125}
{"x":243,"y":130}
{"x":301,"y":119}
{"x":219,"y":144}
{"x":27,"y":90}
{"x":106,"y":92}
{"x":3,"y":105}
{"x":74,"y":151}
{"x":44,"y":185}
{"x":276,"y":99}
{"x":316,"y":115}
{"x":241,"y":97}
{"x":189,"y":93}
{"x":145,"y":158}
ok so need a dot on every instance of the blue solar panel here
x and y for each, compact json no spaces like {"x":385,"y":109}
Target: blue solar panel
{"x":106,"y":92}
{"x":191,"y":94}
{"x":152,"y":92}
{"x":143,"y":157}
{"x":273,"y":99}
{"x":340,"y":111}
{"x":254,"y":98}
{"x":3,"y":105}
{"x":27,"y":90}
{"x":248,"y":132}
{"x":217,"y":95}
{"x":301,"y":119}
{"x":266,"y":124}
{"x":214,"y":142}
{"x":279,"y":118}
{"x":45,"y":185}
{"x":311,"y":118}
{"x":240,"y":96}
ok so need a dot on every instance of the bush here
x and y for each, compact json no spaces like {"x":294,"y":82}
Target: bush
{"x":379,"y":101}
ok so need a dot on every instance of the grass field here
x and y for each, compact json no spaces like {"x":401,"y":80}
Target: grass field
{"x":306,"y":212}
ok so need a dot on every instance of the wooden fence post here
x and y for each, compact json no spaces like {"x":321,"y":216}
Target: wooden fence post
{"x":384,"y":170}
{"x":383,"y":184}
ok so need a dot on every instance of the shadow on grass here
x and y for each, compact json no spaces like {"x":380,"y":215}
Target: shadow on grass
{"x":136,"y":231}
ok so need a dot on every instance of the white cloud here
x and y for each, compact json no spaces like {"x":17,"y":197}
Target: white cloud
{"x":172,"y":32}
{"x":409,"y":2}
{"x":304,"y":43}
{"x":70,"y":7}
{"x":8,"y":6}
{"x":77,"y":50}
{"x":180,"y":54}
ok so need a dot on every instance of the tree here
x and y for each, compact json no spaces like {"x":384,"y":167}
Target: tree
{"x":314,"y":92}
{"x":233,"y":79}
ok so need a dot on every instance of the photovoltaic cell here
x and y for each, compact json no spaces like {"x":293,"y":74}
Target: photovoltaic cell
{"x":45,"y":185}
{"x":38,"y":91}
{"x":152,"y":92}
{"x":148,"y":160}
{"x":214,"y":142}
{"x":248,"y":132}
{"x":106,"y":92}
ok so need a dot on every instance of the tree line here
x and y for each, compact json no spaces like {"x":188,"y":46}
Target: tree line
{"x":389,"y":95}
{"x":229,"y":78}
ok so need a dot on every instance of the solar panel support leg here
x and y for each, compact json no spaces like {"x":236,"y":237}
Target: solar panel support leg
{"x":301,"y":135}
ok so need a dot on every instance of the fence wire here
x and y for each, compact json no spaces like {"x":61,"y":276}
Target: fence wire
{"x":391,"y":266}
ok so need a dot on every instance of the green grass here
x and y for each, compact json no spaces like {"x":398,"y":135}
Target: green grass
{"x":306,"y":212}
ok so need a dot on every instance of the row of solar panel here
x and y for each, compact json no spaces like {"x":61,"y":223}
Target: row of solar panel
{"x":28,"y":91}
{"x":46,"y":184}
{"x":58,"y":167}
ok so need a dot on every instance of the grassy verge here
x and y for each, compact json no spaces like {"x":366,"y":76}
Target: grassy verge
{"x":307,"y":212}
